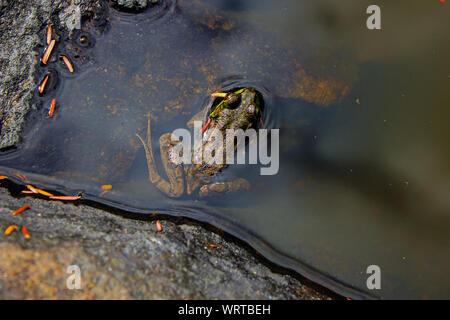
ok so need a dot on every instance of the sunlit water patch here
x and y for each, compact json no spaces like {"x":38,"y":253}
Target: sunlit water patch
{"x":364,"y":174}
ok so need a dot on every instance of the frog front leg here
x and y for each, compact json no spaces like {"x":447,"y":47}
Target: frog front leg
{"x":175,"y":186}
{"x":217,"y":188}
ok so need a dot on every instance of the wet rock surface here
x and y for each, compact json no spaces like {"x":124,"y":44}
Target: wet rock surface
{"x":20,"y":25}
{"x":119,"y":256}
{"x":133,"y":5}
{"x":124,"y":257}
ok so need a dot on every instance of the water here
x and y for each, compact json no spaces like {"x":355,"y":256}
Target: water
{"x":364,"y":175}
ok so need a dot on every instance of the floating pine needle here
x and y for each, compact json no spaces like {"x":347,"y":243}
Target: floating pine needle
{"x":31,"y":188}
{"x":106,"y":187}
{"x":22,"y":209}
{"x":65,"y":198}
{"x":219,"y":94}
{"x":21,"y":176}
{"x":52,"y":108}
{"x":49,"y":33}
{"x":205,"y":126}
{"x":27,"y":192}
{"x":67,"y":62}
{"x":103,"y":193}
{"x":42,"y":86}
{"x":3,"y":177}
{"x":36,"y":190}
{"x":158,"y":226}
{"x":25,"y":232}
{"x":48,"y":51}
{"x":213,"y":245}
{"x":44,"y":193}
{"x":10,"y":229}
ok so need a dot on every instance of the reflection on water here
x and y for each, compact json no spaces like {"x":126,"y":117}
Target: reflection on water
{"x":364,"y":175}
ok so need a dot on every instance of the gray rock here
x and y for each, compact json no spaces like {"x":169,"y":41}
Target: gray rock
{"x":72,"y":16}
{"x":123,"y":257}
{"x":20,"y":24}
{"x":133,"y":5}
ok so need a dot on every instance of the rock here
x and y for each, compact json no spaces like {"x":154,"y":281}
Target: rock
{"x":133,"y":5}
{"x":124,"y":258}
{"x":21,"y":23}
{"x":72,"y":16}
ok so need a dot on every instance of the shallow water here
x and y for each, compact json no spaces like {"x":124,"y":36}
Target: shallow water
{"x":364,"y":175}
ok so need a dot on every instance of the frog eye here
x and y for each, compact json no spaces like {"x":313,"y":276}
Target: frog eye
{"x":232,"y":100}
{"x":251,"y":108}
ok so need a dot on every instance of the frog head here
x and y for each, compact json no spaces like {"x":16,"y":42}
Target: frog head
{"x":238,"y":109}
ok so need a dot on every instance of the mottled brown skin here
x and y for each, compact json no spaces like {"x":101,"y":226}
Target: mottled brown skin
{"x":242,"y":109}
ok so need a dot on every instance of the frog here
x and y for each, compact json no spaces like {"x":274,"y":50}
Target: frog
{"x":241,"y":108}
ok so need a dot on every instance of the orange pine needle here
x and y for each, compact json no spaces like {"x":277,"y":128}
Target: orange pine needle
{"x":25,"y":232}
{"x":52,"y":108}
{"x":44,"y":193}
{"x":106,"y":187}
{"x":21,"y":176}
{"x":213,"y":245}
{"x":67,"y":62}
{"x":49,"y":33}
{"x":27,"y":192}
{"x":31,"y":188}
{"x":48,"y":51}
{"x":158,"y":226}
{"x":3,"y":177}
{"x":10,"y":229}
{"x":205,"y":126}
{"x":22,"y":209}
{"x":36,"y":190}
{"x":66,"y":198}
{"x":42,"y":86}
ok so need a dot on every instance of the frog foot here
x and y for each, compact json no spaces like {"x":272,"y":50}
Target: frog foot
{"x":175,"y":186}
{"x":217,"y":188}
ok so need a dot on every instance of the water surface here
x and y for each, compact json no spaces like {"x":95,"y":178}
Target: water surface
{"x":364,"y":159}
